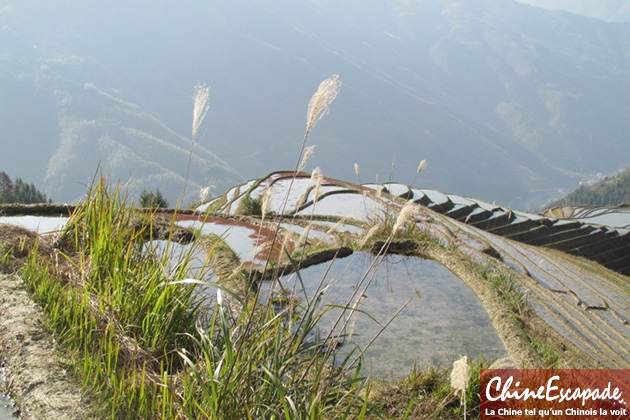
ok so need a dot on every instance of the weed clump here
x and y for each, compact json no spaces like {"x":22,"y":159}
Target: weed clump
{"x":251,"y":206}
{"x":150,"y":345}
{"x":16,"y":243}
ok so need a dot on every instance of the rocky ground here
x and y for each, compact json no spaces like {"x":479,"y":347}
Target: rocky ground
{"x":37,"y":375}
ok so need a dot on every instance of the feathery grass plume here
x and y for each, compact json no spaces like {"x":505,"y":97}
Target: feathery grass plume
{"x":320,"y":101}
{"x":353,"y":316}
{"x":285,"y":244}
{"x":329,"y":232}
{"x":204,"y":193}
{"x":318,"y":189}
{"x":334,"y":227}
{"x":307,"y":154}
{"x":315,"y":174}
{"x":421,"y":166}
{"x":200,"y":109}
{"x":356,"y":170}
{"x":404,"y":216}
{"x":370,"y":233}
{"x":266,"y":199}
{"x":391,"y":173}
{"x":318,"y":108}
{"x":460,"y":377}
{"x":304,"y":235}
{"x":316,"y":180}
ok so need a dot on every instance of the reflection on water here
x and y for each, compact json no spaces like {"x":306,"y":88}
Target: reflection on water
{"x":251,"y":243}
{"x":194,"y":258}
{"x":195,"y":261}
{"x":442,"y":321}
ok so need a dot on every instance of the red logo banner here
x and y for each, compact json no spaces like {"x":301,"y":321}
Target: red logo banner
{"x":555,"y":394}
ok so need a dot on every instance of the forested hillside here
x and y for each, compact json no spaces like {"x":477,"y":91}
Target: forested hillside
{"x":19,"y":191}
{"x":610,"y":191}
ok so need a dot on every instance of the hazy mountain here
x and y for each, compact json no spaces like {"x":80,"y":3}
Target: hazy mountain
{"x":505,"y":101}
{"x":609,"y":10}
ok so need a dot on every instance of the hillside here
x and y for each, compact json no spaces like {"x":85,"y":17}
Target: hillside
{"x":610,"y":191}
{"x":609,"y":10}
{"x":19,"y":191}
{"x":475,"y":88}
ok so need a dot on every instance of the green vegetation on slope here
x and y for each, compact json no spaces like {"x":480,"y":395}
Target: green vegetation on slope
{"x":149,"y":346}
{"x":610,"y":191}
{"x":19,"y":191}
{"x":153,"y":199}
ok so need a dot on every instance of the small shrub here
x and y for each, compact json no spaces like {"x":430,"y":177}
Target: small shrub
{"x":153,"y":200}
{"x":251,"y":206}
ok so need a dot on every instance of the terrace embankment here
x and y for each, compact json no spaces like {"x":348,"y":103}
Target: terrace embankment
{"x":37,"y":375}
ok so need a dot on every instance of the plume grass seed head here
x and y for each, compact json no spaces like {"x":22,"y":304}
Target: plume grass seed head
{"x":318,"y":107}
{"x":404,"y":216}
{"x":200,"y":107}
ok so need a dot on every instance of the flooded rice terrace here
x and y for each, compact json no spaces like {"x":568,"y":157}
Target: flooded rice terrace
{"x":7,"y":405}
{"x":442,"y":321}
{"x":39,"y":224}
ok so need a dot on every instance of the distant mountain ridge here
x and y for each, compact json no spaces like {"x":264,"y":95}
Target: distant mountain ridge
{"x":506,"y":102}
{"x":608,"y":10}
{"x":82,"y":129}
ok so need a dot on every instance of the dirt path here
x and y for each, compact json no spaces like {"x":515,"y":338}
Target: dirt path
{"x":37,"y":377}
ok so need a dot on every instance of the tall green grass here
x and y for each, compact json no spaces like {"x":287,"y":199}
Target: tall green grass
{"x":114,"y":305}
{"x":142,"y":342}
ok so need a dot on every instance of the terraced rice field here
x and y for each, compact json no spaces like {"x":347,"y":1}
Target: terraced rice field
{"x":588,"y":304}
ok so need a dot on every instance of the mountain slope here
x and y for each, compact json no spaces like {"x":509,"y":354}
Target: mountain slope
{"x":67,"y":130}
{"x":475,"y":88}
{"x":609,"y":10}
{"x":610,"y":191}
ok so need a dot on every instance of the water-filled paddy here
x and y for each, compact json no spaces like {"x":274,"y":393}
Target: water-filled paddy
{"x":6,"y":404}
{"x":39,"y":224}
{"x":251,"y":243}
{"x":357,"y":206}
{"x":442,"y":321}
